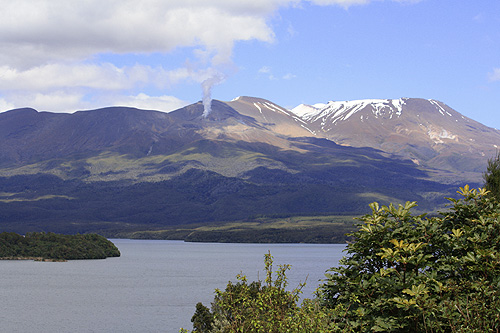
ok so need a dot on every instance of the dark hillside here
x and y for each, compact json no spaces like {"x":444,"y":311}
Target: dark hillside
{"x":122,"y":169}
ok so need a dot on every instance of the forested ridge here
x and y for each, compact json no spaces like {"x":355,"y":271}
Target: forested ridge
{"x":41,"y":245}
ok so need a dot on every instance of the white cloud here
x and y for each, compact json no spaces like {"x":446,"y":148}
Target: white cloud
{"x":495,"y":75}
{"x":55,"y":101}
{"x":35,"y":32}
{"x":69,"y":87}
{"x":343,"y":3}
{"x":104,"y":76}
{"x":143,"y":101}
{"x":63,"y":101}
{"x":48,"y":47}
{"x":349,"y":3}
{"x":265,"y":70}
{"x":269,"y":73}
{"x":5,"y":105}
{"x":55,"y":76}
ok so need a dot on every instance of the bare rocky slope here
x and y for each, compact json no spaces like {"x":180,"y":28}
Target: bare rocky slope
{"x":428,"y":132}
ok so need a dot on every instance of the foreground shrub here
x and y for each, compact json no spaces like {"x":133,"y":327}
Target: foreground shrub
{"x":262,"y":307}
{"x":406,"y":273}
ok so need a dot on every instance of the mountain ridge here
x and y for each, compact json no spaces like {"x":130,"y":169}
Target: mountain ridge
{"x":427,"y":131}
{"x":123,"y":168}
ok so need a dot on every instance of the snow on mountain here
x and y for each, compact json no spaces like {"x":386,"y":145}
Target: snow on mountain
{"x":307,"y":111}
{"x":272,"y":116}
{"x":319,"y":105}
{"x":335,"y":111}
{"x":271,"y":106}
{"x":260,"y":104}
{"x":343,"y":110}
{"x":425,"y":130}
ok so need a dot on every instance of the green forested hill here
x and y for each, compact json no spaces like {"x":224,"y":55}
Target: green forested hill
{"x":40,"y":245}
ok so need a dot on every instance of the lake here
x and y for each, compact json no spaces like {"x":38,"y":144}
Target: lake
{"x":153,"y":287}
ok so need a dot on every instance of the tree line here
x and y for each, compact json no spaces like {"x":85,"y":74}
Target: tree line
{"x":55,"y":246}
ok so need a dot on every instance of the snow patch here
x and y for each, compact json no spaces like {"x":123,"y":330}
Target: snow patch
{"x":335,"y":111}
{"x":274,"y":107}
{"x":439,"y":108}
{"x":305,"y":127}
{"x":258,"y":107}
{"x":305,"y":111}
{"x":398,"y":104}
{"x":299,"y":120}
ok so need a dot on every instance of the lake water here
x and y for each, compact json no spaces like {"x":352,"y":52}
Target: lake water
{"x":153,"y":287}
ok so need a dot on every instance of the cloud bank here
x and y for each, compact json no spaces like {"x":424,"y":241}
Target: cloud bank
{"x":48,"y":47}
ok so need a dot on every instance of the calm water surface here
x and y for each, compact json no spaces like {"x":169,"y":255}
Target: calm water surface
{"x":153,"y":287}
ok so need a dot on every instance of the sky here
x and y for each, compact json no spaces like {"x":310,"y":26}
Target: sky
{"x":63,"y":56}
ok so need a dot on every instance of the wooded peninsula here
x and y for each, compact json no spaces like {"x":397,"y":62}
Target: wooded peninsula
{"x":55,"y":247}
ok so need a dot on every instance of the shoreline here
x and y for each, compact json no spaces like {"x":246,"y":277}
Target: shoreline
{"x":34,"y":259}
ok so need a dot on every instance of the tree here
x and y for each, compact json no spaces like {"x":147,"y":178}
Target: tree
{"x":406,"y":273}
{"x":262,"y":307}
{"x":492,"y":176}
{"x":202,"y":319}
{"x":55,"y":246}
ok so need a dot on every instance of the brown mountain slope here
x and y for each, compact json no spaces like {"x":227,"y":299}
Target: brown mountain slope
{"x":274,"y":117}
{"x":427,"y":131}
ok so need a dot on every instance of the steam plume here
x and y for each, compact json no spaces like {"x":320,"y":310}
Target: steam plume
{"x":207,"y":86}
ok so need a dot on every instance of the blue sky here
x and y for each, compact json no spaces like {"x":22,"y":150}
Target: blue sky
{"x":64,"y":56}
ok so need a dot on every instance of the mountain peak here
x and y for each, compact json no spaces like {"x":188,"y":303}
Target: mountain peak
{"x":427,"y":131}
{"x":343,"y":110}
{"x":271,"y":115}
{"x":306,"y":110}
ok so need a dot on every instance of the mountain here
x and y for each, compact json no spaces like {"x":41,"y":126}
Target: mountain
{"x":274,"y":117}
{"x":428,"y":132}
{"x":28,"y":136}
{"x":123,"y":169}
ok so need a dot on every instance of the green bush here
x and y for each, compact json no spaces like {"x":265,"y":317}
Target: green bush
{"x":406,"y":273}
{"x":261,"y":307}
{"x":492,"y":176}
{"x":402,"y":273}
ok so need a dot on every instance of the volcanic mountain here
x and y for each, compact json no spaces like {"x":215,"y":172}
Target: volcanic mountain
{"x":428,"y":132}
{"x":118,"y":168}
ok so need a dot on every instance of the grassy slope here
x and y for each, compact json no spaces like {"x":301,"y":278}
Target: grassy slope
{"x":208,"y":182}
{"x":295,"y":229}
